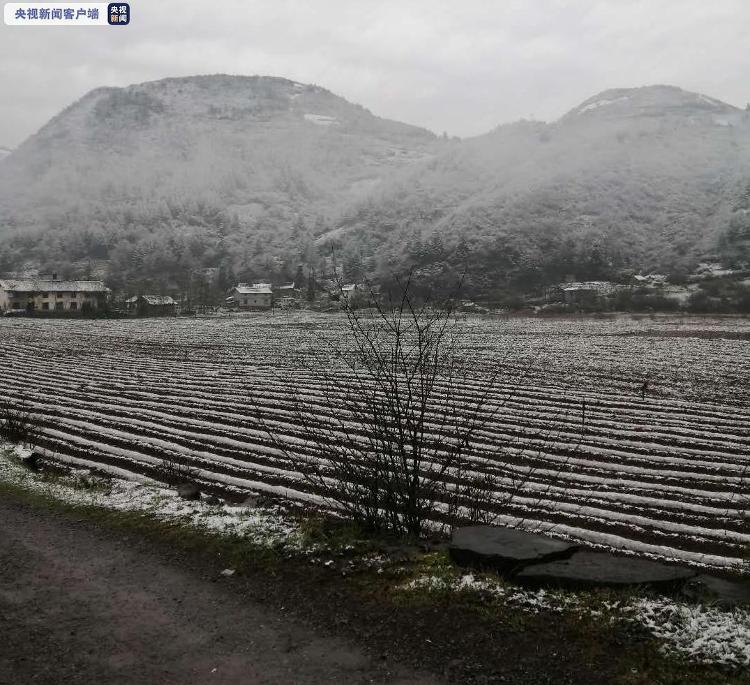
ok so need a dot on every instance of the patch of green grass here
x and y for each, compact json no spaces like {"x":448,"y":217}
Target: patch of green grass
{"x":332,"y":534}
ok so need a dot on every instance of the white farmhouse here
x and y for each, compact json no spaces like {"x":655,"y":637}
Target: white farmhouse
{"x":247,"y":297}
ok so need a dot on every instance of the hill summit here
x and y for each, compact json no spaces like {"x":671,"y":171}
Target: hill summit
{"x":650,"y":101}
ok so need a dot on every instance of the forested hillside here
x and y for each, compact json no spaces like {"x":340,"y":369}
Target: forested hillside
{"x":152,"y":183}
{"x":158,"y":184}
{"x":640,"y":180}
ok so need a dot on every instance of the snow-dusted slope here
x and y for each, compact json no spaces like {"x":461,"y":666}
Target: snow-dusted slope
{"x":255,"y":143}
{"x":651,"y":101}
{"x":644,"y":178}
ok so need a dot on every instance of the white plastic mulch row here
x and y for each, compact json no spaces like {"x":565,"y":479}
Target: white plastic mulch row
{"x":668,"y":474}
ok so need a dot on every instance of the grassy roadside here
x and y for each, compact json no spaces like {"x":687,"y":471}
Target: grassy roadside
{"x":346,"y":584}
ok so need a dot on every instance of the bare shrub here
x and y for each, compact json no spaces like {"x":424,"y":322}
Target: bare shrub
{"x":398,"y":406}
{"x":174,"y":472}
{"x":476,"y":497}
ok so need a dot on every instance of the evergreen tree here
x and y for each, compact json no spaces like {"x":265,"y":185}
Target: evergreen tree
{"x":311,"y":286}
{"x":299,"y":276}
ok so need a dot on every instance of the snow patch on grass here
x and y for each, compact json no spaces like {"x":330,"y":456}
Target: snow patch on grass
{"x":699,"y":633}
{"x":531,"y":600}
{"x":267,"y":527}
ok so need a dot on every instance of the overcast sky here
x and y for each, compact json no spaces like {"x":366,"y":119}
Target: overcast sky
{"x":462,"y":66}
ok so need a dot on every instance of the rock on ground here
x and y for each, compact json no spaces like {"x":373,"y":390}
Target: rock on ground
{"x":31,"y":460}
{"x":189,"y":491}
{"x":504,"y":549}
{"x":724,"y":593}
{"x":586,"y":570}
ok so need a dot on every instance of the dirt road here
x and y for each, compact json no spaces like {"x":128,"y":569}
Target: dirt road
{"x":81,"y":605}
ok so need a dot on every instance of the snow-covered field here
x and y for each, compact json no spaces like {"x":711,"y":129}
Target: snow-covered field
{"x":666,"y":475}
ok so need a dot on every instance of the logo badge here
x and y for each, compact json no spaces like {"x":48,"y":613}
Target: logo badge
{"x":118,"y":14}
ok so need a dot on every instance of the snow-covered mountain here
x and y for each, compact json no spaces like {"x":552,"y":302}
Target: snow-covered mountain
{"x":642,"y":178}
{"x":258,"y":174}
{"x":651,"y":101}
{"x":254,"y":143}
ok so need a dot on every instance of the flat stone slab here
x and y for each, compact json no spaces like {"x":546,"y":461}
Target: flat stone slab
{"x":504,"y":549}
{"x":189,"y":491}
{"x":587,"y":570}
{"x":722,"y":592}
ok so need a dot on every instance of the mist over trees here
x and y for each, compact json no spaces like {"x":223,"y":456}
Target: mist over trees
{"x":187,"y":185}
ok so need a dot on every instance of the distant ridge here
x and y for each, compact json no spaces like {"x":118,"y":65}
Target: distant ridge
{"x":657,"y":100}
{"x":255,"y":177}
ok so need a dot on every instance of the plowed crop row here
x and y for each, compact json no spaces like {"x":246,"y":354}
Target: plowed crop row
{"x":668,"y":474}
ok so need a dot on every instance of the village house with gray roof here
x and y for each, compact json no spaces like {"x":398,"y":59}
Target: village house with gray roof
{"x":52,"y":295}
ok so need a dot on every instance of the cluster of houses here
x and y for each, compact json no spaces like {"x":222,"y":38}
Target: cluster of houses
{"x":581,"y":292}
{"x":260,"y":296}
{"x":55,"y":297}
{"x":590,"y":293}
